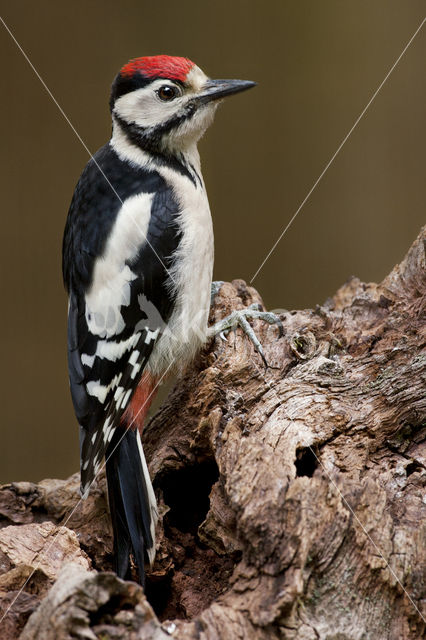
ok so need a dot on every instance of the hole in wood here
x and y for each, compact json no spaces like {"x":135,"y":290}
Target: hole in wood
{"x":188,"y":575}
{"x":412,"y":468}
{"x":186,"y":491}
{"x":306,"y":462}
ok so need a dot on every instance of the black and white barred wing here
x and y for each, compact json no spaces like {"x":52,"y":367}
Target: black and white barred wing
{"x":110,"y":375}
{"x":115,"y":322}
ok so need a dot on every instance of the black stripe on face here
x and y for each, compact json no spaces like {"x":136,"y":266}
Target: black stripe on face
{"x":149,"y":139}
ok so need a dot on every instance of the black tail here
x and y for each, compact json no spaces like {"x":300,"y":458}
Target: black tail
{"x":132,"y":503}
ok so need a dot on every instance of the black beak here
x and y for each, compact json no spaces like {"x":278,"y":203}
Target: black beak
{"x":217,"y":89}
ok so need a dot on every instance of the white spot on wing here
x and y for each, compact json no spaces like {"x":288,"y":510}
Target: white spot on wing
{"x":118,"y":393}
{"x":110,"y":349}
{"x":126,"y":399}
{"x":87,"y":360}
{"x":134,"y":357}
{"x":99,"y":391}
{"x":108,"y":430}
{"x":151,"y":335}
{"x":135,"y":370}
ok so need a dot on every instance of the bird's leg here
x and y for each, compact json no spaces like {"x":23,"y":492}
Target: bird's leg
{"x":239,"y":318}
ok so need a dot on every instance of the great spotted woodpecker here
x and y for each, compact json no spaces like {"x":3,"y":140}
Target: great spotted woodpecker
{"x":137,"y":264}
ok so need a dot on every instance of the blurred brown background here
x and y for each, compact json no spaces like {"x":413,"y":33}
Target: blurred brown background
{"x":317,"y":64}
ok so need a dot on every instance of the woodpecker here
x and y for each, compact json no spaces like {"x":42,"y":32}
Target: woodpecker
{"x":137,"y":265}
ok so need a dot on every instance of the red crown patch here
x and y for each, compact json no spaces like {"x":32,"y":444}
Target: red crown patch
{"x":172,"y":67}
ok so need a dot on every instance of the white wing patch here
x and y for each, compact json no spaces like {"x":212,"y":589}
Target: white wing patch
{"x":110,"y":289}
{"x":105,"y":299}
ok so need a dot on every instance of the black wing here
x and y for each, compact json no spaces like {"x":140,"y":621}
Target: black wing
{"x":120,"y":297}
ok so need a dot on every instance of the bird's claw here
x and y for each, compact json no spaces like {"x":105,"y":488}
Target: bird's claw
{"x":238,"y":318}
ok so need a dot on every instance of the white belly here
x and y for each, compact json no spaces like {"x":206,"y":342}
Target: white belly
{"x":187,"y":327}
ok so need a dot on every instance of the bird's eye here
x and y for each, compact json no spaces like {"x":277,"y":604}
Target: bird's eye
{"x":167,"y":93}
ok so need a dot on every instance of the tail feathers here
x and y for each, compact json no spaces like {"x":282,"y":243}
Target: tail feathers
{"x":132,"y":502}
{"x":93,"y":444}
{"x":152,"y":501}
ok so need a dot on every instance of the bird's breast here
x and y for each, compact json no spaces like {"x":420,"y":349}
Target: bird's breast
{"x":192,"y":271}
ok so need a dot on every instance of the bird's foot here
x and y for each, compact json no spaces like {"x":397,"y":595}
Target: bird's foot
{"x":239,"y":318}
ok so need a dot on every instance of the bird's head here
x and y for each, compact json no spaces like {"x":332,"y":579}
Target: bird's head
{"x":165,"y":103}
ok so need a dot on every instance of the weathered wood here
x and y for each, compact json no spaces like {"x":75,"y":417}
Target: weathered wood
{"x":292,"y":498}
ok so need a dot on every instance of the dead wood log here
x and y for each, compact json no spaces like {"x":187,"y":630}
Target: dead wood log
{"x":292,"y":498}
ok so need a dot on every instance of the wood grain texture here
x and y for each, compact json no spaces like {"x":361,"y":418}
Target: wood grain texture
{"x":292,"y":499}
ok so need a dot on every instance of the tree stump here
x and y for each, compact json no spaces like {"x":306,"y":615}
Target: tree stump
{"x":292,"y":498}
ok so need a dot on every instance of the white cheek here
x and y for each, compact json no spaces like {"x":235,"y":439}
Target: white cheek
{"x":144,"y":108}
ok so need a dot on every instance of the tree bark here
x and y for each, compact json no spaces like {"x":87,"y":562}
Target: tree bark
{"x":292,"y":498}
